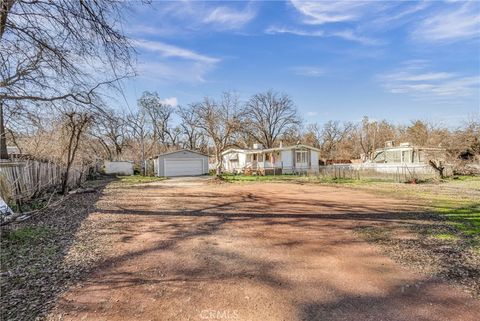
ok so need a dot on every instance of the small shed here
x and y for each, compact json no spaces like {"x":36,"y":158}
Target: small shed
{"x":119,"y":167}
{"x":182,"y":162}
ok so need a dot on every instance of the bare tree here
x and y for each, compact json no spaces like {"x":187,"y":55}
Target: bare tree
{"x":219,"y":120}
{"x":59,"y":51}
{"x":313,"y":135}
{"x":74,"y":127}
{"x":174,"y":135}
{"x":110,"y":130}
{"x":160,"y":116}
{"x":138,"y":124}
{"x":191,"y":132}
{"x":418,"y":133}
{"x":332,"y":134}
{"x":372,"y":135}
{"x":271,"y":114}
{"x":3,"y":136}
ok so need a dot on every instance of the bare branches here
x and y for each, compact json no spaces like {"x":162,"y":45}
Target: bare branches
{"x":193,"y":137}
{"x":271,"y":115}
{"x":110,"y":129}
{"x":160,"y":116}
{"x":219,"y":120}
{"x":52,"y":51}
{"x":5,"y":8}
{"x":74,"y":127}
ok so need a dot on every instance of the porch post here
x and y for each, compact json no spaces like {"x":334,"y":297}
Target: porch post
{"x":294,"y":162}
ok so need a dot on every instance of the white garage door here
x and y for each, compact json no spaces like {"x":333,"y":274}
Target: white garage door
{"x":183,"y":167}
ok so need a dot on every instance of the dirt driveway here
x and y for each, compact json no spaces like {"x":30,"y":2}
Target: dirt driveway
{"x":192,"y":250}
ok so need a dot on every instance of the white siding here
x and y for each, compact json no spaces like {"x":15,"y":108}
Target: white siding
{"x":286,"y":158}
{"x":182,"y":155}
{"x":242,"y":159}
{"x":156,"y":167}
{"x":314,"y":159}
{"x":119,"y":168}
{"x":183,"y":167}
{"x":233,"y":166}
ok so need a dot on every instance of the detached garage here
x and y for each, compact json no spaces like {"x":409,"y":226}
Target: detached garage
{"x":181,"y":163}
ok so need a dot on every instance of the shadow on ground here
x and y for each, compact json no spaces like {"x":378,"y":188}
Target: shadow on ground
{"x":35,"y":268}
{"x":266,"y":252}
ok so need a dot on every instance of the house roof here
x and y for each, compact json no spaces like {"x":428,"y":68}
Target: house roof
{"x":119,"y":161}
{"x":410,"y":147}
{"x":182,"y":150}
{"x":266,"y":150}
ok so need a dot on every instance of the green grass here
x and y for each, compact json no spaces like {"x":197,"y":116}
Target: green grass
{"x":138,"y":179}
{"x":259,"y":178}
{"x":466,"y":217}
{"x":294,"y":178}
{"x":27,"y":234}
{"x":445,"y":236}
{"x":462,"y":209}
{"x":464,"y":178}
{"x":465,"y":181}
{"x":456,"y":199}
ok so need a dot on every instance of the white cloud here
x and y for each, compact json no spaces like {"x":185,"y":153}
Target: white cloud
{"x":172,"y":101}
{"x":402,"y":15}
{"x":460,"y":23}
{"x":322,"y":12}
{"x":417,"y":82}
{"x":347,"y":34}
{"x":312,"y":113}
{"x":352,"y":36}
{"x":190,"y":17}
{"x":166,"y":50}
{"x":308,"y":71}
{"x":143,"y":30}
{"x":298,"y":32}
{"x":405,"y":76}
{"x":230,"y":18}
{"x":174,"y":72}
{"x":170,"y":63}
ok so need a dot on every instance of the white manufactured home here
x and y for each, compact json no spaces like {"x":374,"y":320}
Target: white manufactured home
{"x":183,"y":162}
{"x":280,"y":160}
{"x":406,"y":153}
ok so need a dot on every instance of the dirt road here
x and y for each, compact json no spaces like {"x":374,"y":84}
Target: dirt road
{"x":190,"y":250}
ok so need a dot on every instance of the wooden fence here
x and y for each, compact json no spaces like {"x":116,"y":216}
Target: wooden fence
{"x":24,"y":179}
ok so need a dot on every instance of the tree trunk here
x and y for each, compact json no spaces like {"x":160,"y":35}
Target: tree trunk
{"x":218,"y":159}
{"x":5,"y":8}
{"x":439,"y":168}
{"x":143,"y":156}
{"x":65,"y":180}
{"x":3,"y":137}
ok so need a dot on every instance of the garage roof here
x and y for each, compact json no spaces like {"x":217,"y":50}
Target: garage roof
{"x":183,"y":150}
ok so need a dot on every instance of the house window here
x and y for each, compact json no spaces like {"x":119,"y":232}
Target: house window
{"x":301,"y":156}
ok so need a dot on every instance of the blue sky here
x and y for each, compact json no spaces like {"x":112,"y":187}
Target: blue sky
{"x":399,"y":60}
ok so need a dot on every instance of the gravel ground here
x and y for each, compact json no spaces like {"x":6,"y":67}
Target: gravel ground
{"x":410,"y":243}
{"x":196,"y":249}
{"x":416,"y":242}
